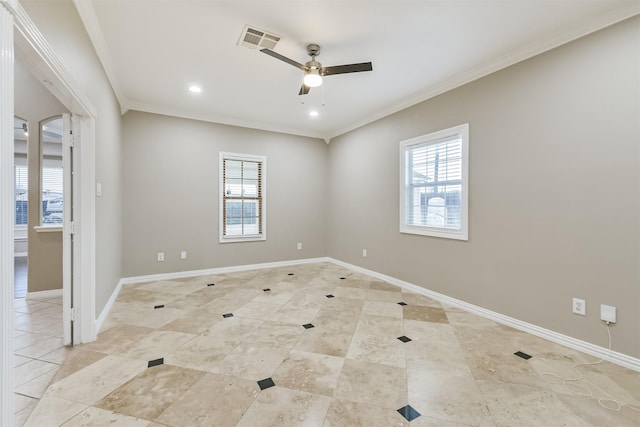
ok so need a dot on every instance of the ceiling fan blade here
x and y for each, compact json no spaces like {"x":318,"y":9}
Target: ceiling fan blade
{"x":304,"y":89}
{"x":349,"y":68}
{"x":282,"y":58}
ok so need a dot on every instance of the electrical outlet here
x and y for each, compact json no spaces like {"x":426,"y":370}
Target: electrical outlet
{"x":183,"y":255}
{"x":160,"y":256}
{"x":364,"y":253}
{"x":299,"y":246}
{"x":608,"y":313}
{"x":579,"y":306}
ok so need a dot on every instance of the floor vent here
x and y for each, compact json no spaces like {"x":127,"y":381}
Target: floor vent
{"x":254,"y":38}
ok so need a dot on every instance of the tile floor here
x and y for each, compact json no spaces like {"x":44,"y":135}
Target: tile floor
{"x":316,"y":345}
{"x":38,"y":350}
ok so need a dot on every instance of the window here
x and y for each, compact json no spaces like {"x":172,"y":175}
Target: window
{"x":51,"y":183}
{"x":434,"y":184}
{"x":242,"y":200}
{"x":22,"y":193}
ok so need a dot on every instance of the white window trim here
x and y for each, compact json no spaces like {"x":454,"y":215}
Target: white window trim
{"x":246,"y":157}
{"x":463,"y":233}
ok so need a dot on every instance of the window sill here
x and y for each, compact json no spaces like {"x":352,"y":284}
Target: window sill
{"x":434,"y":232}
{"x":48,"y":228}
{"x":242,"y":239}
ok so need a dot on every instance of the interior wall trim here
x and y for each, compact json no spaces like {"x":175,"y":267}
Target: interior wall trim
{"x":558,"y":338}
{"x":7,"y":213}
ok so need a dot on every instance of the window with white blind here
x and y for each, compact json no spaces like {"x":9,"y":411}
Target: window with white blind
{"x":242,"y":197}
{"x":434,"y":184}
{"x":21,"y":182}
{"x":52,"y":191}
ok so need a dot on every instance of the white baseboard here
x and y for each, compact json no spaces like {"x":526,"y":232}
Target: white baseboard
{"x":574,"y":343}
{"x":194,"y":273}
{"x":45,"y":294}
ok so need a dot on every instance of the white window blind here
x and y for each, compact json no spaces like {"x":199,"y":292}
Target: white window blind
{"x":242,"y":197}
{"x":434,"y":184}
{"x":22,"y":192}
{"x":52,"y":191}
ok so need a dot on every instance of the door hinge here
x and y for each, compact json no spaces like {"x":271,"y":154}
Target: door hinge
{"x":72,"y":227}
{"x":73,"y":314}
{"x":72,"y":140}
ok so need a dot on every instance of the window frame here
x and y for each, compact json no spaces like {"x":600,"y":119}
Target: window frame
{"x":262,"y":197}
{"x":462,"y":132}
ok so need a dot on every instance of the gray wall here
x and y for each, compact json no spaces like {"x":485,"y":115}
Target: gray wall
{"x":554,"y":191}
{"x":61,"y":26}
{"x":171,"y":194}
{"x":35,"y":104}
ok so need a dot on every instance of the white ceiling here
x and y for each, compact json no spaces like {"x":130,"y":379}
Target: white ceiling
{"x":153,"y":50}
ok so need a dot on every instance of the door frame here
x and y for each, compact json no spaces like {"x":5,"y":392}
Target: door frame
{"x":47,"y":68}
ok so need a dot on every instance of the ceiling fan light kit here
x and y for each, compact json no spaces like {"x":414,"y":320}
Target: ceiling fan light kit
{"x":314,"y":71}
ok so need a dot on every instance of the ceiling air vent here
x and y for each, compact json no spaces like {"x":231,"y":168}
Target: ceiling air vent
{"x":254,"y":38}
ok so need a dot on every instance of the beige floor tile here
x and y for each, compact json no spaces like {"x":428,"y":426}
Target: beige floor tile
{"x":96,"y":417}
{"x":446,"y":395}
{"x":57,"y":356}
{"x":372,"y":383}
{"x":20,"y":360}
{"x":21,"y":417}
{"x":378,"y":349}
{"x":200,"y":353}
{"x":194,"y":322}
{"x":52,"y":411}
{"x":378,"y":285}
{"x":390,"y":309}
{"x":459,"y":369}
{"x":90,"y":384}
{"x":20,"y":402}
{"x":156,"y":344}
{"x":294,"y":316}
{"x":276,"y":334}
{"x":517,"y":404}
{"x":310,"y":372}
{"x":234,"y":329}
{"x":279,"y":406}
{"x":338,"y":321}
{"x":590,"y":411}
{"x":343,"y":413}
{"x":321,"y":341}
{"x":257,"y":310}
{"x":31,"y":370}
{"x":36,"y":387}
{"x":44,"y":345}
{"x":426,"y":314}
{"x":250,"y":361}
{"x":383,"y":296}
{"x":215,"y":400}
{"x":75,"y":360}
{"x":151,"y":392}
{"x":384,"y":326}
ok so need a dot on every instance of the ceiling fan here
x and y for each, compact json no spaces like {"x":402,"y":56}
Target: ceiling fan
{"x":314,"y":71}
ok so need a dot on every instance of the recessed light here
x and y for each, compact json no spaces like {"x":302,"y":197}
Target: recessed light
{"x":313,"y":113}
{"x":195,"y":89}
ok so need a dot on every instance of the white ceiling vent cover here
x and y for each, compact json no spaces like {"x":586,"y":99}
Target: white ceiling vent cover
{"x":254,"y":38}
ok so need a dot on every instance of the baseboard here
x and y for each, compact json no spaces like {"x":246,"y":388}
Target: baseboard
{"x":194,"y":273}
{"x":45,"y":294}
{"x":576,"y":344}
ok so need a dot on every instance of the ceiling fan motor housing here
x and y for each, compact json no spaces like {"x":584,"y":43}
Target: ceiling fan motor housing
{"x":313,"y":50}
